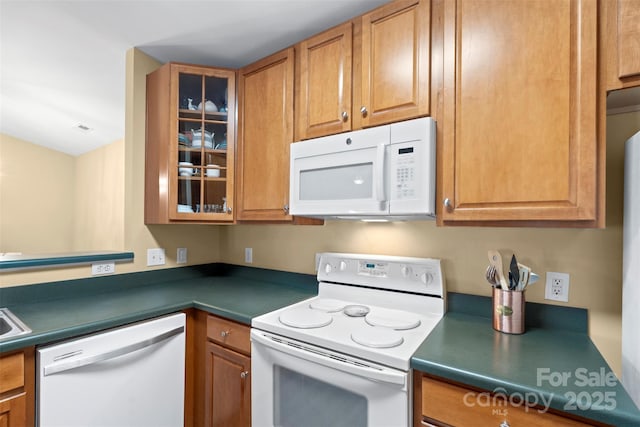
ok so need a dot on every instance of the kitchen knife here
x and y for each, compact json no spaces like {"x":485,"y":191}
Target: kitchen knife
{"x":514,"y":273}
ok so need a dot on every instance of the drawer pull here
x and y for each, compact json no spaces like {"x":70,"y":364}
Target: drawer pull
{"x":225,"y":334}
{"x":505,"y":423}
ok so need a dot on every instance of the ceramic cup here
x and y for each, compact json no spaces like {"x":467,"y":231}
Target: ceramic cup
{"x":213,"y":171}
{"x":185,"y":169}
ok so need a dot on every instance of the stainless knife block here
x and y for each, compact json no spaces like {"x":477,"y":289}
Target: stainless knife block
{"x":508,"y":311}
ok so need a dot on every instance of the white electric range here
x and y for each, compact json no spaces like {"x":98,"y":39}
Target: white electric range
{"x":350,"y":345}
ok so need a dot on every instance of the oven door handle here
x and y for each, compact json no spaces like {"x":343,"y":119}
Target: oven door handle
{"x":320,"y":357}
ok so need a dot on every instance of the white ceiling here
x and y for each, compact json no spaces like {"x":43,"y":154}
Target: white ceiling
{"x":63,"y":62}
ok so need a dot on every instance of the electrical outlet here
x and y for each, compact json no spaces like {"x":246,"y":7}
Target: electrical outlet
{"x":155,"y":257}
{"x":557,"y":287}
{"x":103,"y":268}
{"x":248,"y":255}
{"x":181,"y":256}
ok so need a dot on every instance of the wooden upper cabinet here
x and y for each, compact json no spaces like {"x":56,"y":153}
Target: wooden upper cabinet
{"x":265,"y":131}
{"x":370,"y":71}
{"x":324,"y":89}
{"x":190,"y":143}
{"x":519,"y":138}
{"x":620,"y":33}
{"x":395,"y":63}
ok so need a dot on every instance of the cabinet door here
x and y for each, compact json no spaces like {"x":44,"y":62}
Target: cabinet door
{"x":519,"y":116}
{"x":228,"y":388}
{"x":190,"y":141}
{"x":13,"y":411}
{"x":17,"y":383}
{"x":202,"y":149}
{"x":323,"y":101}
{"x":265,"y":131}
{"x":395,"y":63}
{"x":620,"y":33}
{"x":628,"y":38}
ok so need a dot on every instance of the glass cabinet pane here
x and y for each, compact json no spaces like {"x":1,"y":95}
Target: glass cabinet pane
{"x":202,"y":145}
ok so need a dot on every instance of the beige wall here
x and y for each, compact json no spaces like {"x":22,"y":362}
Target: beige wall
{"x":99,"y":196}
{"x":592,"y":257}
{"x":36,"y":198}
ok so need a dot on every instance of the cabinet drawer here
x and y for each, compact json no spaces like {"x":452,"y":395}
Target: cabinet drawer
{"x":11,"y":372}
{"x":448,"y":404}
{"x":228,"y":333}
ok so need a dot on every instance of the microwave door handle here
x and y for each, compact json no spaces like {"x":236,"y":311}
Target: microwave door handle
{"x":379,"y":172}
{"x":368,"y":372}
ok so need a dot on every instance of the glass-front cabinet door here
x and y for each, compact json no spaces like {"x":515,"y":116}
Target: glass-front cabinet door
{"x":201,"y":159}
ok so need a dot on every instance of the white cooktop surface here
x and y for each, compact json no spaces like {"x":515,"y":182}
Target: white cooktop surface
{"x":387,"y":335}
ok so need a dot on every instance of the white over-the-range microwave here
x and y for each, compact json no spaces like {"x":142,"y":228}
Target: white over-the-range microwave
{"x":381,"y":173}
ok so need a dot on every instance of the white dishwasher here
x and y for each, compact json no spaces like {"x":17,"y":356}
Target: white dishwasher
{"x":129,"y":376}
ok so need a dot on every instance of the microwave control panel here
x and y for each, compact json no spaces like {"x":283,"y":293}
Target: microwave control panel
{"x":405,"y":173}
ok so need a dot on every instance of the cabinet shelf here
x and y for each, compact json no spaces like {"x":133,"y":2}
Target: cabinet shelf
{"x":187,"y":149}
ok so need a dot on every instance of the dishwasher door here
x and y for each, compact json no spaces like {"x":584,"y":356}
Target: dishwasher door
{"x":130,"y":376}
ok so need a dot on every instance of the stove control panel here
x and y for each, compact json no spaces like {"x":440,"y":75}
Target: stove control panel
{"x":418,"y":275}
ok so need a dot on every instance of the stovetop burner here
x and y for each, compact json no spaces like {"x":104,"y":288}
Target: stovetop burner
{"x":377,"y":337}
{"x":393,"y":320}
{"x":327,"y":304}
{"x":305,"y":318}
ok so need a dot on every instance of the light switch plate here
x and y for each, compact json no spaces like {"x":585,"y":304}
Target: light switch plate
{"x":181,"y":256}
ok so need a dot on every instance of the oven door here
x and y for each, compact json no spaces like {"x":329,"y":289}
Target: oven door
{"x":297,"y":384}
{"x":340,"y":174}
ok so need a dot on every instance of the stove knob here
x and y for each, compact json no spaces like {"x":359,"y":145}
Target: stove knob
{"x":426,"y":278}
{"x":406,"y":271}
{"x":343,"y":266}
{"x":327,"y":268}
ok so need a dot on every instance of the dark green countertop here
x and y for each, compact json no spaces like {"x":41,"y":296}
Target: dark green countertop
{"x":559,"y":368}
{"x":68,"y":309}
{"x":463,"y":347}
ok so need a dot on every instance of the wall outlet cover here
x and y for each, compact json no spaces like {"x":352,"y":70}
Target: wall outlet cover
{"x":557,"y":287}
{"x":155,"y":256}
{"x":103,"y":268}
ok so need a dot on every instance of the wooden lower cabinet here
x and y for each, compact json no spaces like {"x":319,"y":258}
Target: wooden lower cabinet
{"x":227,"y":371}
{"x":17,"y":384}
{"x":228,"y":392}
{"x":440,"y":403}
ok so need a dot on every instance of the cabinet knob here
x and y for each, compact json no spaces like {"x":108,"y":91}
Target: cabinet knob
{"x":345,"y":116}
{"x":229,"y":210}
{"x":447,"y":204}
{"x":363,"y":110}
{"x":224,"y":334}
{"x":286,"y":209}
{"x":505,"y":423}
{"x":244,"y":374}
